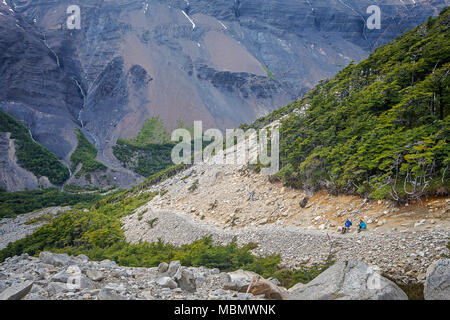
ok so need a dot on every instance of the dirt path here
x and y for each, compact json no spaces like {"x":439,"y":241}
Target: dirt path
{"x":406,"y":255}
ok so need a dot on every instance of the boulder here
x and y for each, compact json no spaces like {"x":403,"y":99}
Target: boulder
{"x":55,"y":288}
{"x":109,"y":294}
{"x":86,"y":283}
{"x":185,"y":279}
{"x":437,"y":284}
{"x":296,"y":287}
{"x":349,"y":280}
{"x":56,"y":259}
{"x":239,"y":280}
{"x":259,"y":286}
{"x":107,"y":264}
{"x":167,"y":282}
{"x":163,"y":267}
{"x":82,"y":258}
{"x":62,"y":276}
{"x":16,"y":291}
{"x":173,"y":268}
{"x":95,"y":275}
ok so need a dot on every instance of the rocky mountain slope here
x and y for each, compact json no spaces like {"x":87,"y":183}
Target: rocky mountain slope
{"x":222,"y":62}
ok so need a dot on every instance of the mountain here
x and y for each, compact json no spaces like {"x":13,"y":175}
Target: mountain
{"x":377,"y":125}
{"x":222,"y":62}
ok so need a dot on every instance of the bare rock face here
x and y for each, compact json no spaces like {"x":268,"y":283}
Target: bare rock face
{"x":437,"y":284}
{"x":349,"y":280}
{"x":12,"y":176}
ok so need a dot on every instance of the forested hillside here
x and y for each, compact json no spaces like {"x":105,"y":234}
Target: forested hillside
{"x":378,"y":128}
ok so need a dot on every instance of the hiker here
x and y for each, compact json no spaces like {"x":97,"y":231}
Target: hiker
{"x":346,"y":226}
{"x":362,"y":226}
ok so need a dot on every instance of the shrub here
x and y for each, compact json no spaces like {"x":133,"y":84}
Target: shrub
{"x":15,"y":203}
{"x":85,"y":153}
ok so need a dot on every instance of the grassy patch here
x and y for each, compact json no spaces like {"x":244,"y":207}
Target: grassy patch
{"x":268,"y":72}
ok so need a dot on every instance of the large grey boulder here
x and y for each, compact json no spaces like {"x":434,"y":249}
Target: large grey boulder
{"x":107,"y":264}
{"x":62,"y":276}
{"x":95,"y":275}
{"x":185,"y":279}
{"x":167,"y":282}
{"x":56,"y":259}
{"x":349,"y":280}
{"x":54,"y":288}
{"x":16,"y":291}
{"x":163,"y":267}
{"x":239,"y":280}
{"x":173,"y":268}
{"x":437,"y":284}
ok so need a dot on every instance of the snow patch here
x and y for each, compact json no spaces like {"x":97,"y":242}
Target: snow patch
{"x":189,"y":18}
{"x":224,"y":26}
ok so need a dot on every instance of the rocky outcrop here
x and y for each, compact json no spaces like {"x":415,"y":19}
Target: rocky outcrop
{"x":437,"y":284}
{"x":349,"y":280}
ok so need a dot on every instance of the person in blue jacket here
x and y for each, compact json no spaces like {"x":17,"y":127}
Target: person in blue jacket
{"x":362,"y":225}
{"x":347,"y":226}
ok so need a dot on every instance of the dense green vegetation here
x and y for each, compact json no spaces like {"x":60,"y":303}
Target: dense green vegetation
{"x":31,"y":155}
{"x":14,"y":203}
{"x":145,"y":160}
{"x":85,"y":153}
{"x":379,"y":128}
{"x":97,"y":233}
{"x":73,"y":188}
{"x":149,"y":152}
